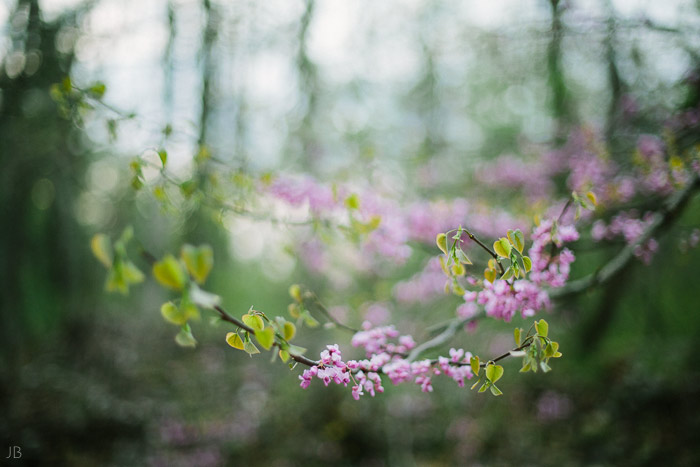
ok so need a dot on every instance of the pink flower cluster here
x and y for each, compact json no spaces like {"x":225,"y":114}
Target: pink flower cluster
{"x":533,"y":178}
{"x":331,"y":368}
{"x":630,"y":226}
{"x":502,"y":300}
{"x":388,"y":358}
{"x":422,"y":287}
{"x":399,"y":225}
{"x":298,"y":191}
{"x":546,"y":269}
{"x":422,"y":372}
{"x":377,"y":340}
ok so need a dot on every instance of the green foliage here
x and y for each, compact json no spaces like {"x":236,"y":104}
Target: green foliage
{"x":254,"y":320}
{"x":169,"y":273}
{"x":441,"y":241}
{"x":121,"y":272}
{"x":179,"y":314}
{"x":295,"y":292}
{"x":352,"y":202}
{"x":198,"y":260}
{"x":185,"y":338}
{"x":502,"y":247}
{"x":266,"y":337}
{"x":234,"y":340}
{"x":540,"y":349}
{"x":535,"y":348}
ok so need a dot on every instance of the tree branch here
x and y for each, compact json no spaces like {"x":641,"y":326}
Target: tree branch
{"x":486,"y":248}
{"x":438,"y":340}
{"x":227,"y":317}
{"x":661,"y":219}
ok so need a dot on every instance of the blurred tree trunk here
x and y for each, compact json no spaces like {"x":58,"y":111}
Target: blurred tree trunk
{"x":562,"y":108}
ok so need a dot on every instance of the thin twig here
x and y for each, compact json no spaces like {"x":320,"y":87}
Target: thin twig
{"x":486,"y":248}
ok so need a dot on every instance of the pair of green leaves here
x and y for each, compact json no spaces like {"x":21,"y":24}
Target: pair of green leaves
{"x":511,"y":247}
{"x":536,"y":350}
{"x":488,"y":377}
{"x":297,"y":310}
{"x":197,"y":261}
{"x":539,"y":351}
{"x":515,"y":239}
{"x":183,"y":275}
{"x":179,"y":314}
{"x":278,"y":332}
{"x":454,"y":261}
{"x":121,"y":271}
{"x":587,"y":201}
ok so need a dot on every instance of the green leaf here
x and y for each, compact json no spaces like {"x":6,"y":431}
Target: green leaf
{"x":458,"y":269}
{"x":518,"y":240}
{"x":462,"y":257}
{"x":441,"y":241}
{"x":266,"y":337}
{"x":203,"y":154}
{"x":295,"y":292}
{"x":172,"y":314}
{"x":234,"y":340}
{"x":97,"y":90}
{"x":294,"y":310}
{"x":508,"y":274}
{"x":185,"y":338}
{"x":116,"y":281}
{"x":542,"y":327}
{"x":515,"y":267}
{"x":516,"y":335}
{"x":495,"y":391}
{"x":132,"y":274}
{"x":490,"y":275}
{"x":250,"y":348}
{"x":592,"y":198}
{"x":102,"y":249}
{"x":284,"y":355}
{"x":289,"y":330}
{"x":296,"y":350}
{"x":126,"y":236}
{"x":502,"y":247}
{"x":494,"y":372}
{"x":169,"y":273}
{"x":198,"y":260}
{"x":443,"y":265}
{"x":545,"y":368}
{"x":309,"y":320}
{"x":163,"y":155}
{"x":475,"y":384}
{"x":188,"y":188}
{"x":373,"y":223}
{"x":352,"y":201}
{"x":485,"y":386}
{"x":255,"y":321}
{"x":527,"y":263}
{"x":474,"y":362}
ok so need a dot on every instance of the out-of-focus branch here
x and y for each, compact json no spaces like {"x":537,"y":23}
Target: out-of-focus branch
{"x":662,"y":218}
{"x":438,"y":340}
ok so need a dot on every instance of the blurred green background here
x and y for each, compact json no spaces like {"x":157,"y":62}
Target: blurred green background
{"x":413,"y":95}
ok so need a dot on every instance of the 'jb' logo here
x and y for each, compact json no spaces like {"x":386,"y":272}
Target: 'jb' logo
{"x":15,"y":452}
